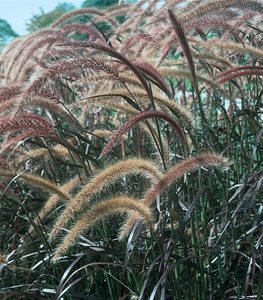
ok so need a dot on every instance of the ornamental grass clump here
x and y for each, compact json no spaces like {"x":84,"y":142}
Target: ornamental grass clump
{"x":131,"y":154}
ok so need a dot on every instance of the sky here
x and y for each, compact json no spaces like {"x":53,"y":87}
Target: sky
{"x":17,"y":12}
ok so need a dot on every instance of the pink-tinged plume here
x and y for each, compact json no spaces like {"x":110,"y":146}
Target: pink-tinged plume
{"x":25,"y":121}
{"x":134,"y":120}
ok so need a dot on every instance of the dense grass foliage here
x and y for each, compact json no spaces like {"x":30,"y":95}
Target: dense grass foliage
{"x":131,"y":154}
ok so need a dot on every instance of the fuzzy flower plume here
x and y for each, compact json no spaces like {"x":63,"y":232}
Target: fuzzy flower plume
{"x":25,"y":121}
{"x":237,"y":72}
{"x":28,"y":133}
{"x":133,"y":121}
{"x":218,"y":44}
{"x":113,"y":53}
{"x":7,"y":93}
{"x":58,"y":150}
{"x":188,"y":165}
{"x":153,"y":72}
{"x":174,"y":174}
{"x":183,"y":114}
{"x":36,"y":180}
{"x":64,"y":66}
{"x":212,"y":6}
{"x":99,"y":212}
{"x":55,"y":198}
{"x":100,"y":182}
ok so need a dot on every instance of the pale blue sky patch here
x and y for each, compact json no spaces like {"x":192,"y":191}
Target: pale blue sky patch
{"x":17,"y":12}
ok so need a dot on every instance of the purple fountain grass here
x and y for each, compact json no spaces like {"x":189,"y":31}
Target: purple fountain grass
{"x":54,"y":199}
{"x":40,"y":43}
{"x":213,"y":57}
{"x":118,"y":93}
{"x":26,"y":121}
{"x":174,"y":174}
{"x":191,"y":5}
{"x":101,"y":210}
{"x":36,"y":180}
{"x":134,"y":9}
{"x":139,"y":40}
{"x":28,"y":133}
{"x":29,"y":70}
{"x":215,"y":5}
{"x":7,"y":108}
{"x":134,"y":120}
{"x":136,"y":38}
{"x":23,"y":47}
{"x":235,"y":72}
{"x":209,"y":22}
{"x":54,"y":97}
{"x":166,"y":48}
{"x":55,"y":54}
{"x":101,"y":181}
{"x":240,"y":48}
{"x":185,"y":74}
{"x":7,"y":52}
{"x":237,"y":68}
{"x":58,"y":150}
{"x":174,"y":3}
{"x":111,"y":13}
{"x":140,"y":16}
{"x":55,"y":109}
{"x":188,"y":165}
{"x":239,"y":74}
{"x":249,"y":5}
{"x":4,"y":163}
{"x":113,"y":53}
{"x":145,"y":64}
{"x":59,"y":68}
{"x":9,"y":92}
{"x":81,"y":11}
{"x":57,"y":37}
{"x":82,"y":28}
{"x":154,"y":73}
{"x":184,"y":44}
{"x":35,"y":62}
